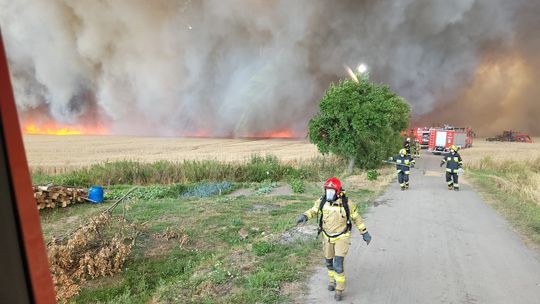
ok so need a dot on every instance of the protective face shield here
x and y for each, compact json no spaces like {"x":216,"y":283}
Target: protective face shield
{"x":330,"y":195}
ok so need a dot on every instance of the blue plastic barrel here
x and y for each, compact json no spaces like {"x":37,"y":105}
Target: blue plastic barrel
{"x":95,"y":194}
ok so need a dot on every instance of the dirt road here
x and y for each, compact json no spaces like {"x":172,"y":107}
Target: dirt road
{"x":431,"y":245}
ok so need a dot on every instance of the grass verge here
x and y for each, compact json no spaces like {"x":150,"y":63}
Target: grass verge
{"x":513,"y":188}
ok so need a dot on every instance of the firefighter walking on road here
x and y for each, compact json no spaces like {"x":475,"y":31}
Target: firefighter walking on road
{"x":336,"y":215}
{"x":403,"y":162}
{"x":417,"y":148}
{"x":407,"y":145}
{"x":453,"y":167}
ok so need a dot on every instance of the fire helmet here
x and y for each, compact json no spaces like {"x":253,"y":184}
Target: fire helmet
{"x":453,"y":148}
{"x":403,"y":152}
{"x":333,"y":183}
{"x":408,"y":139}
{"x":332,"y":189}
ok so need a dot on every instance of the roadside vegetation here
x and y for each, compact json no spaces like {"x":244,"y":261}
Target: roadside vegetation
{"x":207,"y":232}
{"x":513,"y":186}
{"x":255,"y":169}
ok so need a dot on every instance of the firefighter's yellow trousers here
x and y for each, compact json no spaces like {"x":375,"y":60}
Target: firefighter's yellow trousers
{"x":335,"y":250}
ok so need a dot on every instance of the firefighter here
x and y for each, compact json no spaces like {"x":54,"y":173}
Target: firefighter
{"x":336,"y":215}
{"x":407,"y":145}
{"x":417,"y":148}
{"x":403,"y":165}
{"x":453,"y":166}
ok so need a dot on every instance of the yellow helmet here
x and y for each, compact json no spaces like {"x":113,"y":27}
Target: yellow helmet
{"x":454,"y":148}
{"x":403,"y":152}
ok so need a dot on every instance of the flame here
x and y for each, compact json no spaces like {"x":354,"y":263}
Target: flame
{"x":284,"y":133}
{"x":53,"y":128}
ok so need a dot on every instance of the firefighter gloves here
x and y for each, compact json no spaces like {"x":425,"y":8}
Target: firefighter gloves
{"x":367,"y":237}
{"x":301,"y":219}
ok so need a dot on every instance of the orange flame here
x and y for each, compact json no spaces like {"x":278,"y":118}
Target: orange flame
{"x":285,"y":133}
{"x":53,"y":128}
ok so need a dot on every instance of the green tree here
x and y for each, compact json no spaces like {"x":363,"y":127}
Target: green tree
{"x":360,"y":121}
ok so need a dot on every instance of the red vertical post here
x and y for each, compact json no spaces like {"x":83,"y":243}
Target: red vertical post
{"x":29,"y":228}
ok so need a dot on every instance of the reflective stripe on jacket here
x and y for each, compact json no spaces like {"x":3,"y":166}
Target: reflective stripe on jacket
{"x":453,"y":162}
{"x":401,"y":161}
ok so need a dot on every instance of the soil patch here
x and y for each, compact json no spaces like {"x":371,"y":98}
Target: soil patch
{"x":302,"y":233}
{"x":281,"y":190}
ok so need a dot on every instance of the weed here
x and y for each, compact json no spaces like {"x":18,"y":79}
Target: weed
{"x":372,"y":175}
{"x":262,"y":248}
{"x":298,"y":186}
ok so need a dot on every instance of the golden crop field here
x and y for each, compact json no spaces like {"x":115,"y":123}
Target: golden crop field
{"x":64,"y":153}
{"x":501,"y":151}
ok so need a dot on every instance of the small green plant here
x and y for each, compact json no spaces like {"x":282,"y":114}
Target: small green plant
{"x":372,"y":175}
{"x":298,"y":186}
{"x":237,"y":222}
{"x":266,"y":188}
{"x":262,"y":248}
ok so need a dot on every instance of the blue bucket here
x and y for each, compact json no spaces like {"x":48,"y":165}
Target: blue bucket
{"x":95,"y":194}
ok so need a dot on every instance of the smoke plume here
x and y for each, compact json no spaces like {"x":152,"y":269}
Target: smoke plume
{"x":241,"y":68}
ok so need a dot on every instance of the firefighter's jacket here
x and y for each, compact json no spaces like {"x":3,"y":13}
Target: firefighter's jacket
{"x":403,"y":160}
{"x":453,"y":162}
{"x":334,"y":218}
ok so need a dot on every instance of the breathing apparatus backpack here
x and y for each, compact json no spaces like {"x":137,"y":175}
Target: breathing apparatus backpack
{"x":345,"y":204}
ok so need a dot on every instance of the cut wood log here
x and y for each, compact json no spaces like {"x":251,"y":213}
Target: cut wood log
{"x":51,"y":196}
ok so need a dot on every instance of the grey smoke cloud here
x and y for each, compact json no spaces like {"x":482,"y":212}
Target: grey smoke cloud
{"x":236,"y":68}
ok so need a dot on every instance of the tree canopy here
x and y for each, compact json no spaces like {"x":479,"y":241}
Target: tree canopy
{"x":361,"y":122}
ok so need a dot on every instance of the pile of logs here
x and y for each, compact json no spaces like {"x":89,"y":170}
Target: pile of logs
{"x":51,"y":196}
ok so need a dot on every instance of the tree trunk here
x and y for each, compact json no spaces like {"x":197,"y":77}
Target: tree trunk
{"x":351,"y":164}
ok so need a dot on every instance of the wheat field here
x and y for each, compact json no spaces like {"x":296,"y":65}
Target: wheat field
{"x":53,"y":153}
{"x":65,"y":153}
{"x":500,"y":151}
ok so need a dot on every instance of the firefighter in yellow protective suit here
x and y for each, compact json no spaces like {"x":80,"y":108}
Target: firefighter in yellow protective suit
{"x":417,"y":148}
{"x":453,"y":163}
{"x":336,"y":215}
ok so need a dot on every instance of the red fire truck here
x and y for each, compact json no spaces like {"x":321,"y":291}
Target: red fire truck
{"x":441,"y":139}
{"x":422,"y":135}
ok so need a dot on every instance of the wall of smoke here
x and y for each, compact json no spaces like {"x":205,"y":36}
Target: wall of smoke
{"x":237,"y":68}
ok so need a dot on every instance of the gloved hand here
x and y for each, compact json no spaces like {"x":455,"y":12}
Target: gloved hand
{"x":301,"y":219}
{"x":367,"y":237}
{"x":390,"y":159}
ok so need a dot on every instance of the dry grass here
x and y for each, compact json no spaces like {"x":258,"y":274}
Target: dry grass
{"x":514,"y":167}
{"x":500,"y":151}
{"x":66,"y":153}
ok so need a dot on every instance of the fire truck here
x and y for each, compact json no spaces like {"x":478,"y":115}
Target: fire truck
{"x":441,"y":139}
{"x":422,"y":135}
